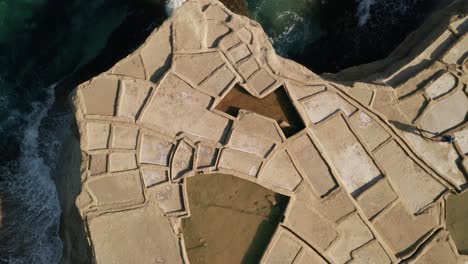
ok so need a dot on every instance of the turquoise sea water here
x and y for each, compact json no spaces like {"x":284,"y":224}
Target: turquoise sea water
{"x":44,"y":42}
{"x":290,"y":24}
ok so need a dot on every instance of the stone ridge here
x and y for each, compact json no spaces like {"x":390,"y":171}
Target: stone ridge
{"x":367,"y":176}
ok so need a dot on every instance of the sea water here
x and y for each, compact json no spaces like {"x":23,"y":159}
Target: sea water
{"x":40,"y":43}
{"x":330,"y":35}
{"x":290,"y":24}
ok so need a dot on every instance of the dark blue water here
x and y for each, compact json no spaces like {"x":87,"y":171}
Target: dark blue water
{"x":46,"y":48}
{"x":331,"y":35}
{"x":49,"y":46}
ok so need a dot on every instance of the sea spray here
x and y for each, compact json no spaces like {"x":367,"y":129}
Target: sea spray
{"x":385,"y":12}
{"x":290,"y":24}
{"x":29,"y":232}
{"x":363,"y":11}
{"x":43,"y":41}
{"x":172,"y":5}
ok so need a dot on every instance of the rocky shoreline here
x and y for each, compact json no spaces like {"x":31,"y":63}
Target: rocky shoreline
{"x":412,"y":46}
{"x":362,"y":105}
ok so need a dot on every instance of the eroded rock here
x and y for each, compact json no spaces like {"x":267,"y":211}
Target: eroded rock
{"x":362,"y":191}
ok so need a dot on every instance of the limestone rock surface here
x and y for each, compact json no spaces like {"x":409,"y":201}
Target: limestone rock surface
{"x":367,"y":174}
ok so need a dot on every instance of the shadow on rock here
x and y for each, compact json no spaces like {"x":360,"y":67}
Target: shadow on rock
{"x":76,"y":248}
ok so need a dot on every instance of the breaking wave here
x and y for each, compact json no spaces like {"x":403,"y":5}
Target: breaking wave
{"x":363,"y":11}
{"x":172,"y":5}
{"x":29,"y":197}
{"x":385,"y":12}
{"x":290,"y":24}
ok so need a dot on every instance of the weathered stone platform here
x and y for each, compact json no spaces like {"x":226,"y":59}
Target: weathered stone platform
{"x":367,"y":176}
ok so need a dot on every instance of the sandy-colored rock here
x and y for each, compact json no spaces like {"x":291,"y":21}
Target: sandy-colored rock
{"x":439,"y":250}
{"x":362,"y":93}
{"x":442,"y":156}
{"x":261,"y":81}
{"x":369,"y":130}
{"x":335,"y":206}
{"x":214,"y":33}
{"x":98,"y":164}
{"x":177,"y":107}
{"x":460,"y":24}
{"x":182,"y":161}
{"x":462,"y":139}
{"x":457,"y":52}
{"x":117,"y":188}
{"x":252,"y":123}
{"x":233,"y":160}
{"x":132,"y":97}
{"x":215,"y":12}
{"x":457,"y":220}
{"x":446,"y":114}
{"x":246,"y":35}
{"x":169,"y":197}
{"x":310,"y":226}
{"x":156,"y":52}
{"x":211,"y":126}
{"x":188,"y":66}
{"x":301,"y":92}
{"x":137,"y":236}
{"x":218,"y":82}
{"x":173,"y":100}
{"x":285,"y":248}
{"x":250,"y":143}
{"x":155,"y":150}
{"x":206,"y":93}
{"x":100,"y":95}
{"x":153,"y":175}
{"x":122,"y":161}
{"x":401,"y":230}
{"x":323,"y":105}
{"x":464,"y":164}
{"x":248,"y":67}
{"x":238,"y":53}
{"x":309,"y":256}
{"x":413,"y":85}
{"x":206,"y":155}
{"x":124,"y":137}
{"x":352,"y":233}
{"x":281,"y":172}
{"x":442,"y":85}
{"x":376,"y":198}
{"x":354,"y":166}
{"x":384,"y":102}
{"x":229,"y":41}
{"x":187,"y":29}
{"x":313,"y":165}
{"x":97,"y":135}
{"x":370,"y":253}
{"x":432,"y":51}
{"x":413,"y":106}
{"x":406,"y":176}
{"x":131,"y":66}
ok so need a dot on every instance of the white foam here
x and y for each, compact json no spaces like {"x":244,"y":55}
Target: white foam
{"x":291,"y":35}
{"x":363,"y":11}
{"x":172,"y":5}
{"x":33,"y":223}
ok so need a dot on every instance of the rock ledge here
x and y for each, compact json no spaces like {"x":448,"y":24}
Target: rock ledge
{"x":367,"y":176}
